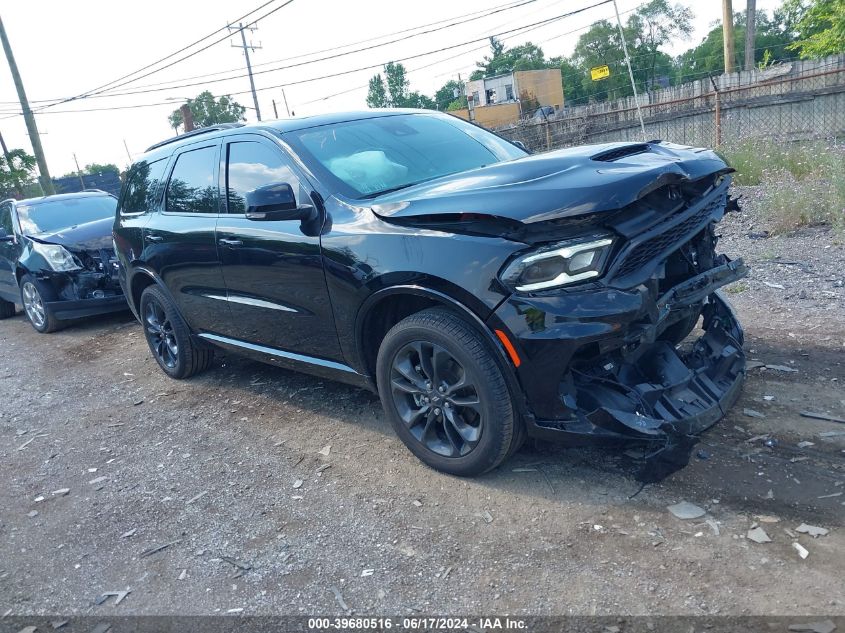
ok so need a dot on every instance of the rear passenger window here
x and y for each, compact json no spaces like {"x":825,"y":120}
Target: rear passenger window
{"x":139,"y":196}
{"x":192,"y":188}
{"x":252,"y":165}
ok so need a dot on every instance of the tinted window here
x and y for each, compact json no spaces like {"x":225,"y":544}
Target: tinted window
{"x":192,"y":188}
{"x":252,"y":165}
{"x":53,"y":215}
{"x":6,"y":219}
{"x":371,"y":156}
{"x":139,"y":194}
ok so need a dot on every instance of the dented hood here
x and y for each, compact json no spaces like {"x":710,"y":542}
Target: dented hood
{"x":564,"y":183}
{"x":91,"y":236}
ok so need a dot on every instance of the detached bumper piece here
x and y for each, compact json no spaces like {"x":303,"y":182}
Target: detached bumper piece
{"x":660,"y":393}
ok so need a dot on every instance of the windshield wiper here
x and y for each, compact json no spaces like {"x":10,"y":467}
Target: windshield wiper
{"x":376,"y":194}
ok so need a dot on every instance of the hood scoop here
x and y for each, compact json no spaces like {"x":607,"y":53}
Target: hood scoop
{"x":621,"y":152}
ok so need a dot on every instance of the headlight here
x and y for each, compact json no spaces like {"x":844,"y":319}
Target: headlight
{"x":57,"y":257}
{"x":558,"y":265}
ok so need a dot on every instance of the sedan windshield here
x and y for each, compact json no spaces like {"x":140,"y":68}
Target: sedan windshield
{"x":370,"y":157}
{"x":53,"y":215}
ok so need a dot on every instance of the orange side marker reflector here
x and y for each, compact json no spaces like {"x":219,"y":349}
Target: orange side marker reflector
{"x":508,"y":347}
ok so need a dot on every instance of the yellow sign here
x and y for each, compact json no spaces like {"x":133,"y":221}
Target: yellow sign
{"x":600,"y":72}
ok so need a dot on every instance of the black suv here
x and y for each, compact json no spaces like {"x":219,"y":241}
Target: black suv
{"x":486,"y":294}
{"x":56,"y":258}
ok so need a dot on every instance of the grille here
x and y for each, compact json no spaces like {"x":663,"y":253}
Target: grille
{"x":660,"y":243}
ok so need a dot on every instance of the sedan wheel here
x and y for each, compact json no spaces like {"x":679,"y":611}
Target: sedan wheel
{"x":33,"y":305}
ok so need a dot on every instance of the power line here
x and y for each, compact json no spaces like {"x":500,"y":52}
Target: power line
{"x":337,"y":55}
{"x":308,"y":54}
{"x":102,"y":89}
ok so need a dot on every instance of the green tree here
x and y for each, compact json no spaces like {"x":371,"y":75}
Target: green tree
{"x":16,"y":173}
{"x":820,"y":26}
{"x":97,"y":168}
{"x":653,"y":26}
{"x":377,"y":94}
{"x":444,"y":97}
{"x":207,"y":110}
{"x":503,"y":60}
{"x":772,"y":37}
{"x":393,"y":91}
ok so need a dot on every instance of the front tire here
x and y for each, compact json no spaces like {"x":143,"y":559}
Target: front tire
{"x":444,"y":394}
{"x":41,"y":319}
{"x":169,"y":338}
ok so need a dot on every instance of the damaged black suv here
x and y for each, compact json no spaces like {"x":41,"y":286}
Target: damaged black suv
{"x":57,"y":260}
{"x":487,"y":295}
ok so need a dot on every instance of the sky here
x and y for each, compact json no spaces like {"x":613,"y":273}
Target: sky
{"x":66,"y":49}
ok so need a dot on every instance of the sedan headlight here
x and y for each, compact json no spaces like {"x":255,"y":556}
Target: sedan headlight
{"x":558,"y":265}
{"x":58,"y":257}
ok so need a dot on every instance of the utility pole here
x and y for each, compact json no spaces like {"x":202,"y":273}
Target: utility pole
{"x":275,"y":111}
{"x":728,"y":35}
{"x":187,"y":117}
{"x":247,"y":48}
{"x":79,"y":172}
{"x":126,"y":147}
{"x":631,"y":72}
{"x":750,"y":33}
{"x":31,"y":128}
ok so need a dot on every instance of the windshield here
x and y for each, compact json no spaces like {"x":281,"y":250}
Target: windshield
{"x":53,"y":215}
{"x":370,"y":157}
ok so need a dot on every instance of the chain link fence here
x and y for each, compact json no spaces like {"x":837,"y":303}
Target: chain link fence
{"x":792,"y":101}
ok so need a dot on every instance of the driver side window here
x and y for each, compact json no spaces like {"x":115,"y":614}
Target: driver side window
{"x":250,"y":165}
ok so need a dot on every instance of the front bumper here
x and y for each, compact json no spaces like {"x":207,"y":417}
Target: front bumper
{"x":594,"y":366}
{"x":76,"y":294}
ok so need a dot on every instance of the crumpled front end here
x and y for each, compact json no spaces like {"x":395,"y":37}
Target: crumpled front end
{"x":611,"y":360}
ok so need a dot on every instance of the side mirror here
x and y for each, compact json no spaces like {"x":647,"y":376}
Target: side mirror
{"x":276,"y":202}
{"x":5,"y":237}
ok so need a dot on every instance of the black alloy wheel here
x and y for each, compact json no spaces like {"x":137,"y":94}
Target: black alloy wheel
{"x":169,"y":338}
{"x":436,"y":399}
{"x":445,"y":395}
{"x":160,"y":335}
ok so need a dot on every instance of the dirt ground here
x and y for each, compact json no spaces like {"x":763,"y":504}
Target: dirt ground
{"x":279,"y":493}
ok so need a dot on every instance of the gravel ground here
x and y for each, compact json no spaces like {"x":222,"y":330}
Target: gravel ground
{"x":254,"y":488}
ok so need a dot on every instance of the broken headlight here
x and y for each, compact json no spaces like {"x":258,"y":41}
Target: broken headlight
{"x":558,"y":265}
{"x":58,"y":257}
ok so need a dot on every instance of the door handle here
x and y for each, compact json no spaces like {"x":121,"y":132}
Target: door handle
{"x":229,"y":242}
{"x":153,"y":238}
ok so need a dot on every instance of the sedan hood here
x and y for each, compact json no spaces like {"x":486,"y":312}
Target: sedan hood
{"x":91,"y":236}
{"x":564,"y":183}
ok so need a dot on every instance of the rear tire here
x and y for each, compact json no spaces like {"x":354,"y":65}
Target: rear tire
{"x":7,"y":309}
{"x":169,"y":338}
{"x":444,"y":394}
{"x":41,"y":319}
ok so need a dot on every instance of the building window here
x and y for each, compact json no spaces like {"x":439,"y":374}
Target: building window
{"x":509,"y":92}
{"x":475,"y":100}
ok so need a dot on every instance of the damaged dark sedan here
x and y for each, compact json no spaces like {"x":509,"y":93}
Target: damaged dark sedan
{"x":57,"y":260}
{"x":486,"y":294}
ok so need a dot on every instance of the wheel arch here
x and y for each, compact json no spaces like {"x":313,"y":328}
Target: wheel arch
{"x":387,"y":306}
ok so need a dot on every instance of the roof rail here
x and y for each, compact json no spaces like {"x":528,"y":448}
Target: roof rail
{"x":202,"y":130}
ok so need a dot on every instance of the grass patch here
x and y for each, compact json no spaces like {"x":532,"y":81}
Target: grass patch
{"x":802,"y":183}
{"x":737,"y":288}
